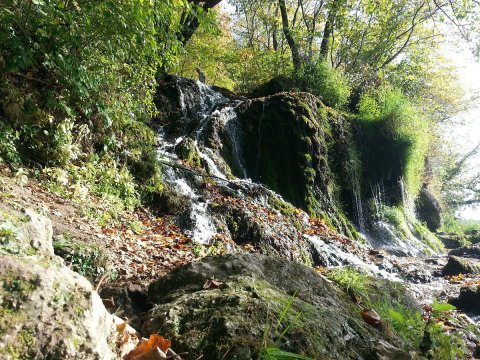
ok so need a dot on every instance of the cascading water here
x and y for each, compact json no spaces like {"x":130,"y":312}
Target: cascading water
{"x":229,"y":119}
{"x":407,"y":201}
{"x":359,"y":207}
{"x":377,"y":197}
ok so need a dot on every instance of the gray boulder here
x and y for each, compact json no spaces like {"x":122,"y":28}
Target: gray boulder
{"x":227,"y":307}
{"x":47,"y":311}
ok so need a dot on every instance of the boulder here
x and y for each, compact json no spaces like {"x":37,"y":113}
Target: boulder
{"x":468,"y":300}
{"x":229,"y":307}
{"x":458,"y":265}
{"x":429,"y":209}
{"x":47,"y":311}
{"x":472,"y":251}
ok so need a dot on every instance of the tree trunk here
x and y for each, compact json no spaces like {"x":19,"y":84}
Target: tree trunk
{"x":328,"y":31}
{"x":190,"y":22}
{"x":288,"y":35}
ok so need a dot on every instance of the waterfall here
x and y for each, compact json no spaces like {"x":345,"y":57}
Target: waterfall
{"x":200,"y":102}
{"x":378,"y":199}
{"x":357,"y":199}
{"x":229,"y":119}
{"x":407,"y":201}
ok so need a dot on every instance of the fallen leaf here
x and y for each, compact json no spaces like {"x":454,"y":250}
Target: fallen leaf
{"x":212,"y":283}
{"x":371,"y":317}
{"x":155,"y":341}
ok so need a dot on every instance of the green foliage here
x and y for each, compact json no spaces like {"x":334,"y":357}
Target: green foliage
{"x":397,"y":137}
{"x":210,"y":49}
{"x":443,"y":344}
{"x":387,"y":301}
{"x":87,"y":259}
{"x":452,"y":225}
{"x":76,"y":88}
{"x":273,"y":353}
{"x":8,"y":144}
{"x":323,"y":80}
{"x":427,"y":237}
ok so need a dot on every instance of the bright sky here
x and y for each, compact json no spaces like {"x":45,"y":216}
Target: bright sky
{"x":466,"y":133}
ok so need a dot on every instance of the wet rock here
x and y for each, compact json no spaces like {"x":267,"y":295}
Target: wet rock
{"x":229,"y":320}
{"x":429,"y":209}
{"x":172,"y":202}
{"x":468,"y":300}
{"x":187,"y":151}
{"x":458,"y":265}
{"x":276,"y":238}
{"x":472,"y":251}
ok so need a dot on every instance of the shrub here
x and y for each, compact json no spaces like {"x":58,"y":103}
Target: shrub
{"x":396,"y":138}
{"x":324,"y":81}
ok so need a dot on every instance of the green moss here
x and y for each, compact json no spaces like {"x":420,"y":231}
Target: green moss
{"x":427,"y":237}
{"x":282,"y":206}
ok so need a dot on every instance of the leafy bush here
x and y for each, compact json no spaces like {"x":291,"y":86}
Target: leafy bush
{"x":324,"y":81}
{"x":396,"y":137}
{"x":76,"y":88}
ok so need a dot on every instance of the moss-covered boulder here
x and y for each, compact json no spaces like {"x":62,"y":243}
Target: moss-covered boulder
{"x":187,"y":151}
{"x":228,"y":307}
{"x":458,"y":265}
{"x":294,"y":145}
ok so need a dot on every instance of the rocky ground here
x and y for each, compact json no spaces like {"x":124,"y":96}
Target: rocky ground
{"x":215,"y":306}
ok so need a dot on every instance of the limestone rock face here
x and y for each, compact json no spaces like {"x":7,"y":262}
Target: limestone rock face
{"x":39,"y":231}
{"x":429,"y":209}
{"x":228,"y":306}
{"x":46,"y":309}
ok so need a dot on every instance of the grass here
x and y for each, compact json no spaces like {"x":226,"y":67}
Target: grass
{"x":271,"y":349}
{"x":387,"y":301}
{"x":88,"y":260}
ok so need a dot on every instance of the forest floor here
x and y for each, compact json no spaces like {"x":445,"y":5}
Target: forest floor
{"x":142,"y":247}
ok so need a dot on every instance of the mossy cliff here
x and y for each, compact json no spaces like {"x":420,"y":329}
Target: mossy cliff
{"x":296,"y":146}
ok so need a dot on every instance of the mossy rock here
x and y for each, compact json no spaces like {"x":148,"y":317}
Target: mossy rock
{"x":289,"y":143}
{"x":87,"y":259}
{"x":187,"y":151}
{"x":457,"y":265}
{"x":47,"y":311}
{"x":237,"y":316}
